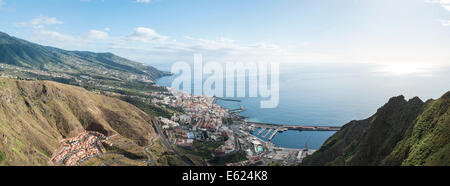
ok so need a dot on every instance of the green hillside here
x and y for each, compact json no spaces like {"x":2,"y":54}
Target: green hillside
{"x":21,"y":53}
{"x":400,"y":133}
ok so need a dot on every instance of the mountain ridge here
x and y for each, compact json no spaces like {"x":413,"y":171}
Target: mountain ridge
{"x":22,"y":53}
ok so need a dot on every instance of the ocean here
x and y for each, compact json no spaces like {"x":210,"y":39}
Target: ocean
{"x":332,"y":95}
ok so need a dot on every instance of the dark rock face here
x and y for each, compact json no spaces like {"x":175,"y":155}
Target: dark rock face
{"x":374,"y":140}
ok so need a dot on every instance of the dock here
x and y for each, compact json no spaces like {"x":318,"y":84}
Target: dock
{"x":261,"y":131}
{"x":267,"y":133}
{"x":239,"y":110}
{"x":226,"y":99}
{"x":294,"y":127}
{"x":283,"y":127}
{"x":276,"y":132}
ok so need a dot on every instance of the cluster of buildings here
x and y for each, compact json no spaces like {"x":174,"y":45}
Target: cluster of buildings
{"x":16,"y":70}
{"x":203,"y":120}
{"x":167,"y":123}
{"x":252,"y":161}
{"x":198,"y":110}
{"x":288,"y":155}
{"x":185,"y":143}
{"x":86,"y":145}
{"x":230,"y":145}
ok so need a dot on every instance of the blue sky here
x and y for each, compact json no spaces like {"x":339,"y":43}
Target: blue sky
{"x":412,"y":33}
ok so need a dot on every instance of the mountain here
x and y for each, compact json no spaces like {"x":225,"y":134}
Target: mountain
{"x":36,"y":115}
{"x":27,"y":55}
{"x":399,"y":133}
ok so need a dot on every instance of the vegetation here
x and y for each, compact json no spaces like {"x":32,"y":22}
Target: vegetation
{"x":48,"y":112}
{"x":274,"y":163}
{"x":429,"y":142}
{"x":127,"y":154}
{"x":151,"y":109}
{"x":163,"y":157}
{"x":202,"y":149}
{"x":3,"y":158}
{"x":400,"y":133}
{"x":236,"y":157}
{"x":21,"y":53}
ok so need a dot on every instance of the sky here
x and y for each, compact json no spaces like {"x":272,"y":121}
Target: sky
{"x":402,"y":36}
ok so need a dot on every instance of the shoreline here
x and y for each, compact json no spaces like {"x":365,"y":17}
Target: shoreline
{"x":236,"y":117}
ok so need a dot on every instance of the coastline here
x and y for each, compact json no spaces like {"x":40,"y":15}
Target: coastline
{"x":288,"y":139}
{"x":243,"y":132}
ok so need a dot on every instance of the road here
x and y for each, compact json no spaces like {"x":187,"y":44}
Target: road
{"x":166,"y":142}
{"x":150,"y":156}
{"x":116,"y":160}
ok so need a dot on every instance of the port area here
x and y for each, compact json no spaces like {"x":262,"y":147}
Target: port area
{"x":267,"y":152}
{"x":202,"y":132}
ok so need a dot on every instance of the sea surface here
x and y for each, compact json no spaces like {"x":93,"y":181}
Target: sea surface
{"x":332,"y":95}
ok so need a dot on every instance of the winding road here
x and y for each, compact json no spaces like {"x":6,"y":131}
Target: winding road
{"x":165,"y":141}
{"x":150,"y":156}
{"x":186,"y":160}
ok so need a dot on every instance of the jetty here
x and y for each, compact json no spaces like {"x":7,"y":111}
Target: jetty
{"x":285,"y":127}
{"x":261,"y":131}
{"x":239,"y":110}
{"x":267,"y":133}
{"x":226,"y":99}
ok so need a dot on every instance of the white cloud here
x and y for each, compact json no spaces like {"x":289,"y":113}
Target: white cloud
{"x":44,"y":20}
{"x":57,"y":39}
{"x":49,"y":37}
{"x":143,"y":1}
{"x":146,"y":35}
{"x":445,"y":23}
{"x":444,"y":3}
{"x":148,"y":46}
{"x":40,"y":22}
{"x":145,"y":44}
{"x":97,"y":34}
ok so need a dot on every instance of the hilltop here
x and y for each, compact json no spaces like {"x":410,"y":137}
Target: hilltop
{"x":400,"y":133}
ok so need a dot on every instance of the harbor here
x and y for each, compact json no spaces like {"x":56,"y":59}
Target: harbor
{"x":274,"y":129}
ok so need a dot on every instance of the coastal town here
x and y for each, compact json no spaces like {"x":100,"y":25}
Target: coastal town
{"x":203,"y":120}
{"x":198,"y":119}
{"x":86,"y":145}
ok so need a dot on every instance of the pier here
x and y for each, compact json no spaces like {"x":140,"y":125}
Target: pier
{"x":226,"y":99}
{"x":239,"y":110}
{"x":282,"y":127}
{"x":261,"y":131}
{"x":267,"y":133}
